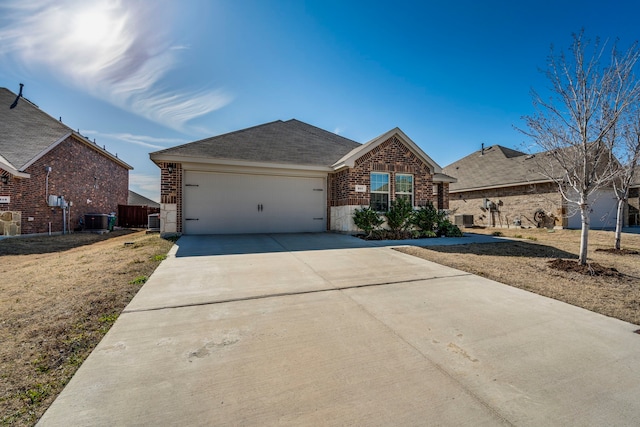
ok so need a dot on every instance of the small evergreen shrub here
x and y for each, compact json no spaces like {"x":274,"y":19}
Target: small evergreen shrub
{"x":426,"y":218}
{"x":367,"y":220}
{"x":399,"y":217}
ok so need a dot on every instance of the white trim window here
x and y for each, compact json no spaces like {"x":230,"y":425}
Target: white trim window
{"x":379,"y":191}
{"x":404,"y":187}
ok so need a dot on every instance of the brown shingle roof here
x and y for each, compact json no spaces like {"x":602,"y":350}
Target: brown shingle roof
{"x":496,"y":166}
{"x":288,"y":142}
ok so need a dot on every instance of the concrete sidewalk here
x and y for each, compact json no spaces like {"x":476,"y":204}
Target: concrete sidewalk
{"x":321,"y":329}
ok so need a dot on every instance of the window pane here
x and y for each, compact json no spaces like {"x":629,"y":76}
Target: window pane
{"x":379,"y":182}
{"x":404,"y":183}
{"x":380,"y":202}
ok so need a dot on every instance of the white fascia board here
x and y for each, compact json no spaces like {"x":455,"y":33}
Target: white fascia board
{"x":349,"y":159}
{"x":96,"y":147}
{"x":212,"y":163}
{"x":493,"y":187}
{"x":83,"y":140}
{"x":6,"y":165}
{"x":45,"y":151}
{"x":441,"y":177}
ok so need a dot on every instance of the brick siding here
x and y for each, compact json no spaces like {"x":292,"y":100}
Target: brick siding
{"x":511,"y":203}
{"x":392,"y":157}
{"x":93,"y":182}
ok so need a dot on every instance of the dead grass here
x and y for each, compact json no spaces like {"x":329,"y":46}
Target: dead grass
{"x":525,"y":263}
{"x":59,"y":295}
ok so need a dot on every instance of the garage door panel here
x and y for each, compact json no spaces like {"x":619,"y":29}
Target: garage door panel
{"x":217,"y":203}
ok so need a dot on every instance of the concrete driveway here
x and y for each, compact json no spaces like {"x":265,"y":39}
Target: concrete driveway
{"x":323,"y":329}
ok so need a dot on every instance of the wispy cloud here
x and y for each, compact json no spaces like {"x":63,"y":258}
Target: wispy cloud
{"x":147,"y":185}
{"x":142,"y":140}
{"x":119,"y":51}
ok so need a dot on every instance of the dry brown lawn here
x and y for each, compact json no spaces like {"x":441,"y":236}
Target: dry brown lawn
{"x":526,"y":263}
{"x":59,"y":295}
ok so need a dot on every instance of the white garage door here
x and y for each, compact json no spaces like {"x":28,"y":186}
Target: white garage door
{"x":221,"y":203}
{"x":603,"y":211}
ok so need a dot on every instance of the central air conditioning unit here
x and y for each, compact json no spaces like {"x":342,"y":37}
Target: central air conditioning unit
{"x":463,"y":220}
{"x":153,"y":223}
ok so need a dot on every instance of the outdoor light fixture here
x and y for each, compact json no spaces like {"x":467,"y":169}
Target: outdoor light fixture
{"x":4,"y":179}
{"x":170,"y":167}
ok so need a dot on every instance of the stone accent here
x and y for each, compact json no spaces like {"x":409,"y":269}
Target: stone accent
{"x":510,"y":204}
{"x":10,"y":223}
{"x":168,"y":218}
{"x":79,"y":173}
{"x":342,"y":219}
{"x":171,"y":193}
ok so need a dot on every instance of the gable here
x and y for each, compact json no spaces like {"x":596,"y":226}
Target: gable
{"x":26,"y":130}
{"x":404,"y":143}
{"x":28,"y":133}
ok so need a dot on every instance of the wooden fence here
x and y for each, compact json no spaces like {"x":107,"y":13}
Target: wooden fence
{"x":135,"y":216}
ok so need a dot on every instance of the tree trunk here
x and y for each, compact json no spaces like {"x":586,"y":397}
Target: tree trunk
{"x":584,"y":235}
{"x":619,"y":222}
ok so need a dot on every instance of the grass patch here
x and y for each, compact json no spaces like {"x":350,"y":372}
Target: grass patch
{"x":49,"y":326}
{"x":140,"y":280}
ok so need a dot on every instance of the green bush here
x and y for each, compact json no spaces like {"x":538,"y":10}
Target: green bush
{"x":447,"y":229}
{"x":399,"y":217}
{"x":367,"y":220}
{"x":426,"y":218}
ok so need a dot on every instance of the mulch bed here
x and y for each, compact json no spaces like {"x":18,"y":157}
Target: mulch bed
{"x":619,"y":251}
{"x":591,"y":269}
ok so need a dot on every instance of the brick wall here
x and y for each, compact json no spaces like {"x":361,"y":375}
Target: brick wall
{"x":511,"y":203}
{"x":93,"y":182}
{"x":171,"y":188}
{"x":392,"y":157}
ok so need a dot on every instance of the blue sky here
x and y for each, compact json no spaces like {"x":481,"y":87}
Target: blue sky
{"x":140,"y":76}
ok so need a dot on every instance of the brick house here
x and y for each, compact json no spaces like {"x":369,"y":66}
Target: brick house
{"x":501,"y":187}
{"x":50,"y":175}
{"x":289,"y":176}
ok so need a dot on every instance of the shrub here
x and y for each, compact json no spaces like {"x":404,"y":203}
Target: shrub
{"x":399,"y":217}
{"x":426,"y":218}
{"x":447,"y":229}
{"x":367,"y":220}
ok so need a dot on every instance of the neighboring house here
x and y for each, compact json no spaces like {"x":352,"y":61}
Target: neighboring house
{"x":500,"y":187}
{"x":135,"y":214}
{"x":289,"y":176}
{"x":633,"y":207}
{"x":50,"y":175}
{"x":136,"y":199}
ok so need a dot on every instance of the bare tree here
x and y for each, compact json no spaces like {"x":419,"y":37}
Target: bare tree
{"x":628,"y":154}
{"x":590,"y":89}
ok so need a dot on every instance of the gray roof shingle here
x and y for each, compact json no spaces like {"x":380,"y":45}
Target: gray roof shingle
{"x":497,"y":166}
{"x":136,"y":199}
{"x":288,"y":142}
{"x":25,"y":130}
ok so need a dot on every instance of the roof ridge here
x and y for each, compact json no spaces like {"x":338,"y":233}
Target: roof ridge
{"x":210,"y":138}
{"x":322,"y":131}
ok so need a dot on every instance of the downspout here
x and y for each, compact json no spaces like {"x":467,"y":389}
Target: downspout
{"x":48,"y":169}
